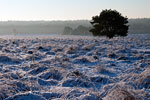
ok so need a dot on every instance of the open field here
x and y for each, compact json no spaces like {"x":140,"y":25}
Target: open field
{"x":75,"y":68}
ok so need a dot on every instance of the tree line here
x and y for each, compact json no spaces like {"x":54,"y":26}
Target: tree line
{"x":137,"y":26}
{"x":57,"y":27}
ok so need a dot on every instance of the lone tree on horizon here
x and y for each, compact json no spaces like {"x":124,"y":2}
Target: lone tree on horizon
{"x":109,"y":23}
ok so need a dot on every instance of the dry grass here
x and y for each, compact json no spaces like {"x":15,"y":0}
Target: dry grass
{"x":143,"y":79}
{"x":120,"y":94}
{"x":71,"y":49}
{"x":5,"y":91}
{"x":88,"y":47}
{"x":100,"y":69}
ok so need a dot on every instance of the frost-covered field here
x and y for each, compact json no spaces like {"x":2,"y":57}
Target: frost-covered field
{"x":75,"y":68}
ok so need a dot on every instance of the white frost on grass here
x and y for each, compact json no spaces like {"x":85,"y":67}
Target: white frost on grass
{"x":75,"y":68}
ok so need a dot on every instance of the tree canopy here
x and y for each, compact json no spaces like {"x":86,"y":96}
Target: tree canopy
{"x":80,"y":30}
{"x":109,"y":23}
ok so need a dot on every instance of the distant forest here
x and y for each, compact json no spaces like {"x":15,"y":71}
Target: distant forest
{"x":139,"y":25}
{"x":78,"y":27}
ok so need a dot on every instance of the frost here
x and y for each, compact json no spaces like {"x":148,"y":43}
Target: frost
{"x":75,"y":68}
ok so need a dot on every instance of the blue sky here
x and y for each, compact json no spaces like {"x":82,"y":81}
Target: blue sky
{"x":70,"y":9}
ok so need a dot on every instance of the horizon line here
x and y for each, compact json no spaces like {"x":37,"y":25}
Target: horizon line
{"x":61,"y":20}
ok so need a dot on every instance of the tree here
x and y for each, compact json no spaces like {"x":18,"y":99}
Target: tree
{"x":81,"y":30}
{"x":67,"y":30}
{"x":109,"y":23}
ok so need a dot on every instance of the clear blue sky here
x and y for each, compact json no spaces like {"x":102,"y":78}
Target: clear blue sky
{"x":70,"y":9}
